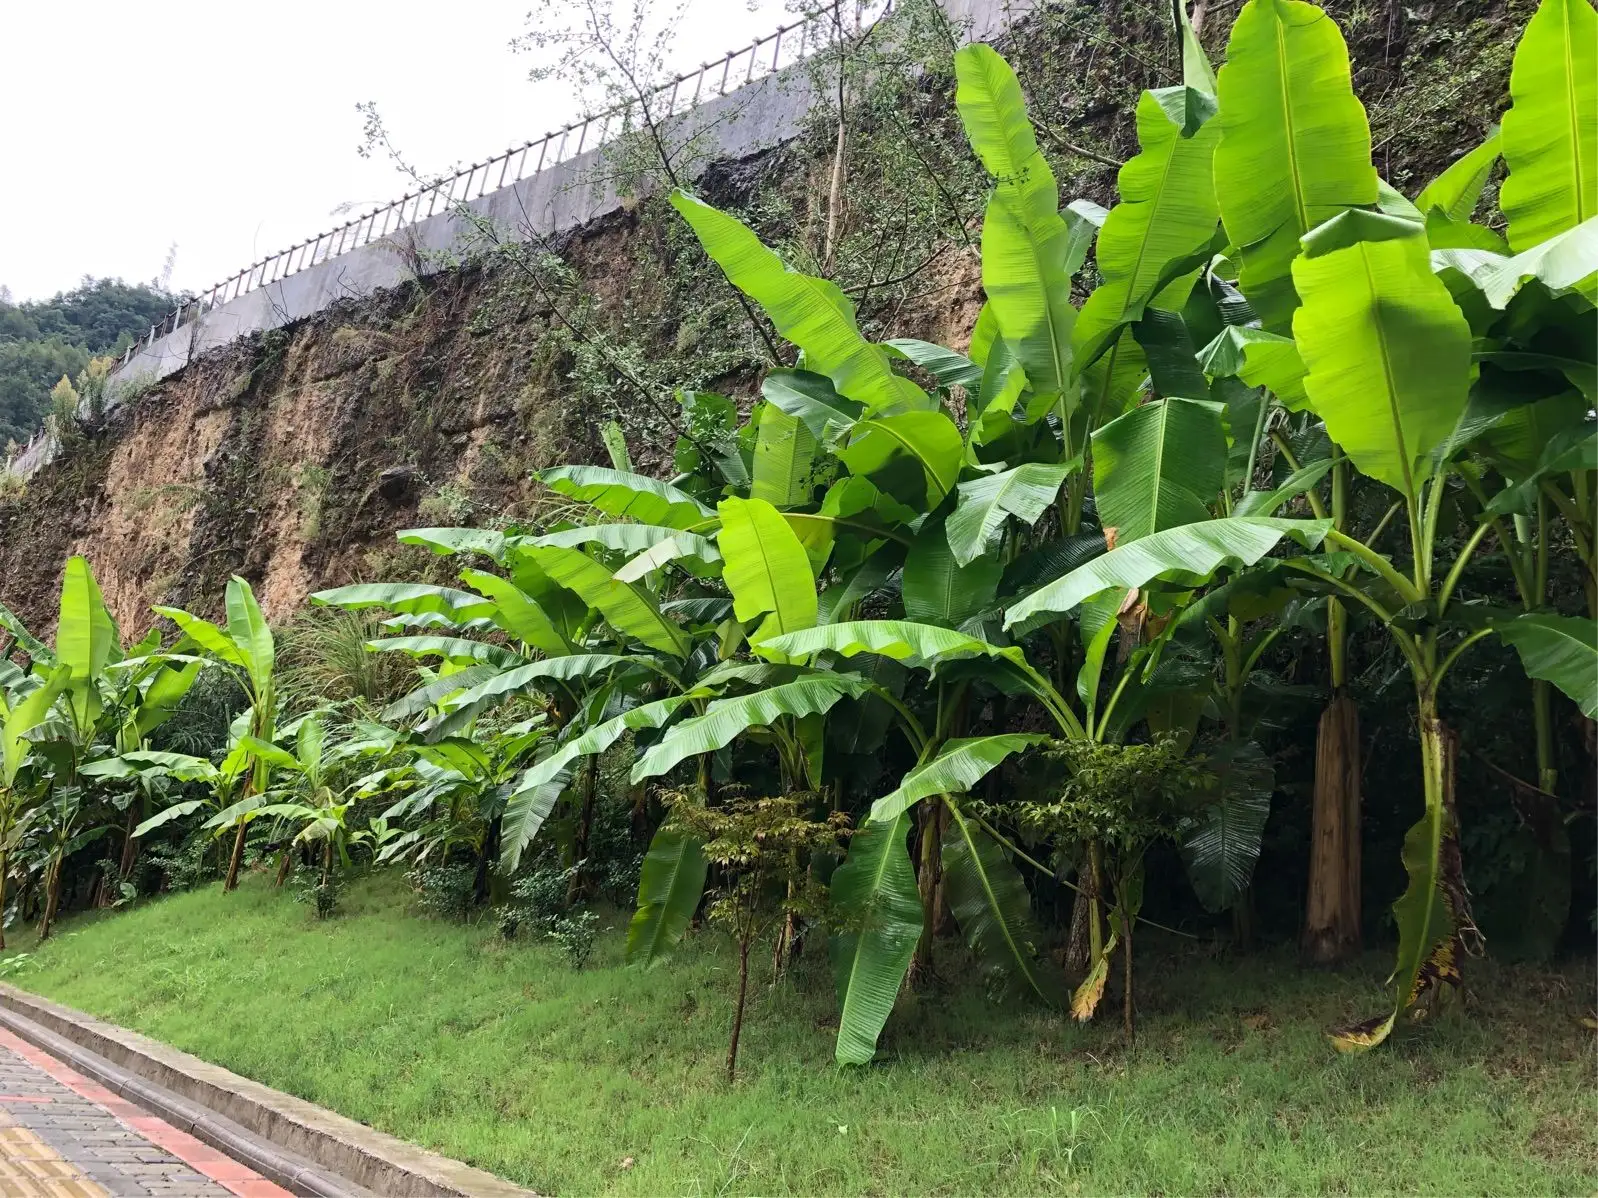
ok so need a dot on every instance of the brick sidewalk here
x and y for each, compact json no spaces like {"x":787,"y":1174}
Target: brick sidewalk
{"x":61,"y":1134}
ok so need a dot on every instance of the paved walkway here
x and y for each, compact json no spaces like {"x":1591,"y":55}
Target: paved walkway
{"x":61,"y":1134}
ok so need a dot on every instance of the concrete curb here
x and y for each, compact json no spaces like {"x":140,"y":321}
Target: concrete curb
{"x":306,"y":1148}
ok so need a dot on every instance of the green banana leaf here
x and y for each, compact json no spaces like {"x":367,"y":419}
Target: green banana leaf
{"x":249,"y":631}
{"x":628,"y":607}
{"x":767,"y":569}
{"x":937,"y":589}
{"x":1024,"y":492}
{"x":929,"y":438}
{"x":408,"y":598}
{"x":785,"y":451}
{"x":39,"y":653}
{"x":1159,"y":466}
{"x":1559,"y":649}
{"x":727,"y":718}
{"x":1456,"y":192}
{"x":208,"y":636}
{"x":620,"y":493}
{"x":447,"y":541}
{"x":425,"y":696}
{"x":1552,"y":124}
{"x":558,"y":764}
{"x":1260,"y":359}
{"x":949,"y":368}
{"x":451,"y":648}
{"x":1387,"y":352}
{"x":524,"y":817}
{"x":86,"y":638}
{"x":1295,"y":147}
{"x":698,"y":555}
{"x":959,"y":766}
{"x":1193,"y":551}
{"x":1166,"y":216}
{"x":989,"y":901}
{"x":874,"y":895}
{"x":524,"y":679}
{"x":810,"y":397}
{"x":1025,"y":241}
{"x":669,"y":889}
{"x":518,"y":614}
{"x":810,"y":312}
{"x":21,"y":718}
{"x":1221,"y":849}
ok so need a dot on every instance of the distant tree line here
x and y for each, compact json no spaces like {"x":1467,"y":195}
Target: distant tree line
{"x":43,"y":341}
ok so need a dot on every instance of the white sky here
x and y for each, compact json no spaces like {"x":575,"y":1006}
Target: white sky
{"x":230,"y":128}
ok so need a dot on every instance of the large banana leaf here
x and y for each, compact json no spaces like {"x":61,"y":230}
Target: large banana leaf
{"x":23,"y":717}
{"x":248,"y":629}
{"x":456,"y":540}
{"x":930,"y":439}
{"x":810,"y":312}
{"x":937,"y":589}
{"x":86,"y":636}
{"x":1387,"y":352}
{"x":669,"y":889}
{"x":726,"y":719}
{"x":1159,"y":466}
{"x":959,"y":766}
{"x":767,"y":569}
{"x":949,"y":368}
{"x":207,"y":635}
{"x":1456,"y":192}
{"x":626,"y":538}
{"x":1220,"y":851}
{"x":523,"y":818}
{"x":990,"y":902}
{"x":1025,"y":241}
{"x":1565,"y":262}
{"x":450,"y":648}
{"x":408,"y":598}
{"x":810,"y":397}
{"x":874,"y":894}
{"x":517,"y":614}
{"x":558,"y":764}
{"x":1559,"y":649}
{"x":1166,"y":216}
{"x":1025,"y":492}
{"x":628,"y":607}
{"x":1295,"y":147}
{"x":1550,"y":133}
{"x":620,"y":493}
{"x":698,"y":555}
{"x":1193,"y":551}
{"x":785,"y":450}
{"x":914,"y":645}
{"x":1260,"y":359}
{"x":525,"y":678}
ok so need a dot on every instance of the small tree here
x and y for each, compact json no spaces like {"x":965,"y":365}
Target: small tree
{"x":763,"y":848}
{"x":1120,"y":800}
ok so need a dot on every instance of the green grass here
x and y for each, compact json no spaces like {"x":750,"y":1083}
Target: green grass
{"x":500,"y":1055}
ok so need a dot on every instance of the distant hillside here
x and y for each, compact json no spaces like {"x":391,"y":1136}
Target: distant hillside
{"x":42,"y":340}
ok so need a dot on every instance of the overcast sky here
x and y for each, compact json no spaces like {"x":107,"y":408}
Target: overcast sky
{"x":230,"y":129}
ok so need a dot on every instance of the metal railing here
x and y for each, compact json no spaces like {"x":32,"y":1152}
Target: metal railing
{"x":787,"y":45}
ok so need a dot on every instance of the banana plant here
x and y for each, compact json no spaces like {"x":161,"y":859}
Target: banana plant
{"x":243,"y":644}
{"x":307,"y":792}
{"x":24,"y":706}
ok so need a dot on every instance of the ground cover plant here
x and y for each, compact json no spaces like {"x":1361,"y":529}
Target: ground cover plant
{"x":586,"y":1082}
{"x":955,"y":673}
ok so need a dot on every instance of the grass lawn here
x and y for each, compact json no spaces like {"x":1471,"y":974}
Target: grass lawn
{"x":609,"y":1080}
